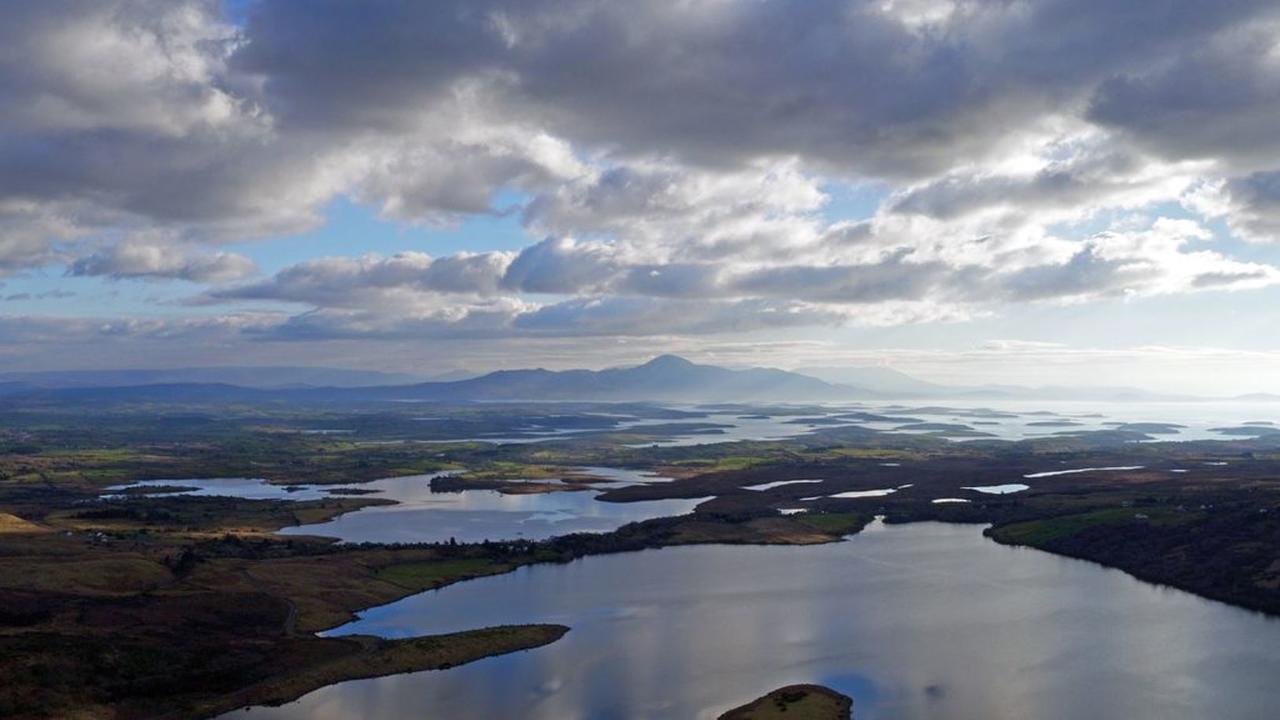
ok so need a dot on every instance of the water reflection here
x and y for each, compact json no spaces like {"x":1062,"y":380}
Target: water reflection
{"x":423,"y":515}
{"x":1076,"y":471}
{"x":622,"y":477}
{"x":247,"y":488}
{"x":917,"y":621}
{"x":1006,"y":489}
{"x":1009,"y":420}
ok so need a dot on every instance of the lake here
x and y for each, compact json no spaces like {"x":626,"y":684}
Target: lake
{"x":926,"y":620}
{"x":980,"y":420}
{"x":424,"y":515}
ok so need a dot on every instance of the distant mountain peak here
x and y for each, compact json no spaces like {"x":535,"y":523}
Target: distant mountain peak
{"x":668,"y":361}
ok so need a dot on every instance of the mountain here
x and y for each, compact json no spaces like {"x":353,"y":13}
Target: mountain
{"x":890,"y":383}
{"x":1068,"y":393}
{"x":881,"y":380}
{"x":200,"y":393}
{"x":451,"y":376}
{"x":665,"y":378}
{"x":258,"y":377}
{"x":1258,"y":397}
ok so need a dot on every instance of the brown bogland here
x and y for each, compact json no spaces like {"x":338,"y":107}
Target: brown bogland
{"x":12,"y":524}
{"x":101,"y":626}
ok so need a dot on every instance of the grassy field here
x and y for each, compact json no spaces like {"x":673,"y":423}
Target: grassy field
{"x":836,"y":522}
{"x":437,"y":574}
{"x":1037,"y":533}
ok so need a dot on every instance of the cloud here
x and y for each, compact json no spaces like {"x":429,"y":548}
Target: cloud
{"x":588,"y":317}
{"x":1254,"y":209}
{"x":597,"y":288}
{"x":46,"y":295}
{"x":671,"y":159}
{"x":131,"y":259}
{"x":560,"y":265}
{"x":162,"y":109}
{"x":1217,"y":99}
{"x":1139,"y":263}
{"x":365,"y":280}
{"x":19,"y":330}
{"x":1071,"y":180}
{"x":30,"y":235}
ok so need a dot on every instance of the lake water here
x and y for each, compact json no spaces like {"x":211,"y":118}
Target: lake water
{"x":918,"y":621}
{"x":1006,"y":489}
{"x":247,"y":488}
{"x":1008,"y":420}
{"x":423,"y":515}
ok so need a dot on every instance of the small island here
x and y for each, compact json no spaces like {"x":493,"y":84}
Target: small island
{"x":796,"y":702}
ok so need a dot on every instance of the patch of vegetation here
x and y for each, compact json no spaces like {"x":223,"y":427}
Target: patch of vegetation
{"x":836,"y":522}
{"x":1038,"y":533}
{"x":424,"y":575}
{"x":795,"y":702}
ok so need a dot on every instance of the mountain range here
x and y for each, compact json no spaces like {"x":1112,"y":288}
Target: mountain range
{"x":666,"y":378}
{"x":256,"y":377}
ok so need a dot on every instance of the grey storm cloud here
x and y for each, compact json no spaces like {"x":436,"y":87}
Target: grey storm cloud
{"x":181,"y":118}
{"x":837,"y":81}
{"x":1257,"y":199}
{"x":1218,"y":98}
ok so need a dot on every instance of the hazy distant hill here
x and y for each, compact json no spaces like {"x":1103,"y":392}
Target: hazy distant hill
{"x":259,"y":377}
{"x":881,"y":380}
{"x":666,"y":378}
{"x":887,"y":382}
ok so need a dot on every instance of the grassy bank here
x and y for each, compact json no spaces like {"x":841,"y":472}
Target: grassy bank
{"x":375,"y":657}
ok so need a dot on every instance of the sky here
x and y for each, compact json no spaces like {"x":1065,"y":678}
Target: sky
{"x":1041,"y":192}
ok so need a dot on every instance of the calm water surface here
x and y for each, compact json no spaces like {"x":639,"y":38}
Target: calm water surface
{"x":918,"y":621}
{"x":424,"y":515}
{"x":248,"y":488}
{"x":1005,"y":420}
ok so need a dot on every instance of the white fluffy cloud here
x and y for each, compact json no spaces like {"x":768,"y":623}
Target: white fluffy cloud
{"x":132,"y":259}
